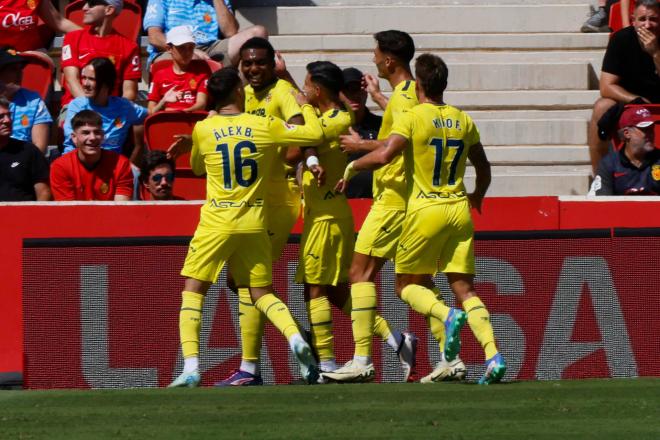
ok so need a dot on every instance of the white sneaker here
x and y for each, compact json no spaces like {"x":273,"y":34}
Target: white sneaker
{"x":308,"y":369}
{"x":407,"y":352}
{"x":446,"y":371}
{"x":352,"y":372}
{"x":188,"y":380}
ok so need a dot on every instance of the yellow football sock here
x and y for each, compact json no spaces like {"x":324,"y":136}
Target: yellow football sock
{"x":436,"y":326}
{"x":479,"y":321}
{"x":363,"y":315}
{"x":251,"y":322}
{"x":320,"y":322}
{"x":190,"y":318}
{"x":278,"y":314}
{"x":381,"y":326}
{"x":423,"y":300}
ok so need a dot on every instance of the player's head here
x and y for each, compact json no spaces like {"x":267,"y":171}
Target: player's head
{"x":393,"y":49}
{"x":97,"y":77}
{"x":87,"y":134}
{"x":324,"y":80}
{"x":225,"y":88}
{"x":647,"y":15}
{"x":636,"y":128}
{"x":11,"y":66}
{"x":5,"y":118}
{"x":431,"y":74}
{"x":181,"y":45}
{"x":354,"y":93}
{"x":157,"y":175}
{"x":96,"y":11}
{"x":257,"y":58}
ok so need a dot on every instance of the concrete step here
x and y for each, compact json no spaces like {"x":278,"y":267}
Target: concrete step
{"x":444,"y":19}
{"x":479,"y":115}
{"x":256,"y":3}
{"x":546,"y":180}
{"x":447,"y":42}
{"x":518,"y":100}
{"x":496,"y":76}
{"x":532,"y":131}
{"x":537,"y":155}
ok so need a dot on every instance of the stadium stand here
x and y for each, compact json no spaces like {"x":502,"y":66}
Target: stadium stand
{"x":616,"y":20}
{"x":38,"y":72}
{"x":128,"y":23}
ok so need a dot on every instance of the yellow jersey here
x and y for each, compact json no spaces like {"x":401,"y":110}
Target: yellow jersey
{"x":235,"y":151}
{"x":389,"y":185}
{"x":439,"y":140}
{"x":322,"y":202}
{"x":279,"y":100}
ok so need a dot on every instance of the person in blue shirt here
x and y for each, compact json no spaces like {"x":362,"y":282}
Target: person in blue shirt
{"x":214,"y":27}
{"x":30,"y":117}
{"x":119,"y":114}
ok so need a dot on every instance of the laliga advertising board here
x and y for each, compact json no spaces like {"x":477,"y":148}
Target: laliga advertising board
{"x":563,"y":305}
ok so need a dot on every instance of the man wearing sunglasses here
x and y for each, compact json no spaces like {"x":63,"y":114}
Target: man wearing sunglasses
{"x":157,"y":176}
{"x":99,"y":40}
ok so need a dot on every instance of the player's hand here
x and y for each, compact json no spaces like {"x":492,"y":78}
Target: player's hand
{"x":201,"y":55}
{"x":280,"y":65}
{"x":340,"y":187}
{"x":319,"y":174}
{"x":182,"y":145}
{"x":173,"y":95}
{"x":370,"y":84}
{"x":475,"y":201}
{"x":301,"y":99}
{"x":648,"y":40}
{"x":350,"y":143}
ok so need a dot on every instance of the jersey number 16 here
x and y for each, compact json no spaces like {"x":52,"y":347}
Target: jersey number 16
{"x":241,"y":166}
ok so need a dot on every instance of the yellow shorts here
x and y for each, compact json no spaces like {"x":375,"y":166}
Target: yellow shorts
{"x":281,"y":219}
{"x":437,"y":238}
{"x":326,"y":250}
{"x":380,"y":233}
{"x":249,"y":256}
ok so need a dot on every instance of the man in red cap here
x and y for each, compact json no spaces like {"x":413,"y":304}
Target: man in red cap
{"x":635,"y":168}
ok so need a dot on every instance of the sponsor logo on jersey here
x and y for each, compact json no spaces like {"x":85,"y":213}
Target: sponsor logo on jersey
{"x":15,"y":164}
{"x":617,"y":174}
{"x":17,"y":20}
{"x":66,"y":52}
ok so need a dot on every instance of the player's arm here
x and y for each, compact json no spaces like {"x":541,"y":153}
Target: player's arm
{"x":294,"y":154}
{"x":373,"y":88}
{"x":129,"y":89}
{"x":297,"y":135}
{"x":42,"y":190}
{"x":72,"y":78}
{"x":54,"y":19}
{"x":353,"y":143}
{"x":39,"y":136}
{"x":196,"y":158}
{"x":226,"y":20}
{"x":478,"y":158}
{"x":610,"y":88}
{"x":200,"y":103}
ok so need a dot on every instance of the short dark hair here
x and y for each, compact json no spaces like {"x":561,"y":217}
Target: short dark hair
{"x":396,"y":43}
{"x":105,"y":73}
{"x":153,"y":160}
{"x":86,"y":117}
{"x":431,"y":73}
{"x":222,"y":84}
{"x":259,"y":43}
{"x":4,"y":102}
{"x":327,"y":74}
{"x":647,"y":3}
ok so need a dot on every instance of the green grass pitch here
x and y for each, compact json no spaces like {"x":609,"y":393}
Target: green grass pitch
{"x":584,"y":409}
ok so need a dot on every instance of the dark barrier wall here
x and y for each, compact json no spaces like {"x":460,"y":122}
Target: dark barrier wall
{"x":563,"y":304}
{"x":22,"y":223}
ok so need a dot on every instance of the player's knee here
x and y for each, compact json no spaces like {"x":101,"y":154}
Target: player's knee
{"x":600,"y":107}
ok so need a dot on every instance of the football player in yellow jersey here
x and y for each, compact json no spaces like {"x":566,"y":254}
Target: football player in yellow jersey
{"x":266,"y":95}
{"x":437,"y":235}
{"x":379,"y":235}
{"x":235,"y":150}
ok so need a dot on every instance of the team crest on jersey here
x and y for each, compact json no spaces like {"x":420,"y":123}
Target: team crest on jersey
{"x":207,"y":17}
{"x":104,"y":188}
{"x":192,"y":83}
{"x":31,"y":4}
{"x":118,"y":123}
{"x":25,"y":121}
{"x":655,"y":172}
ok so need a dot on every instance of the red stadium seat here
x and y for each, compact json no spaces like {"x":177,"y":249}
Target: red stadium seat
{"x":38,"y":72}
{"x":616,"y":22}
{"x":159,"y":131}
{"x":128,"y":23}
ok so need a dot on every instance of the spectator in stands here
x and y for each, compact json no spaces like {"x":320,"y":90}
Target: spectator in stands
{"x":157,"y":176}
{"x":208,"y":19}
{"x":366,"y":126}
{"x":630,"y":73}
{"x":119,"y":115}
{"x":598,"y":22}
{"x":29,"y":113}
{"x":23,"y":169}
{"x":91,"y":172}
{"x":20,"y":29}
{"x":182,"y":86}
{"x":635,"y":169}
{"x":99,"y":39}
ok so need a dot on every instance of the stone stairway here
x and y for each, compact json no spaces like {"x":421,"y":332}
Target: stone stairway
{"x":520,"y":68}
